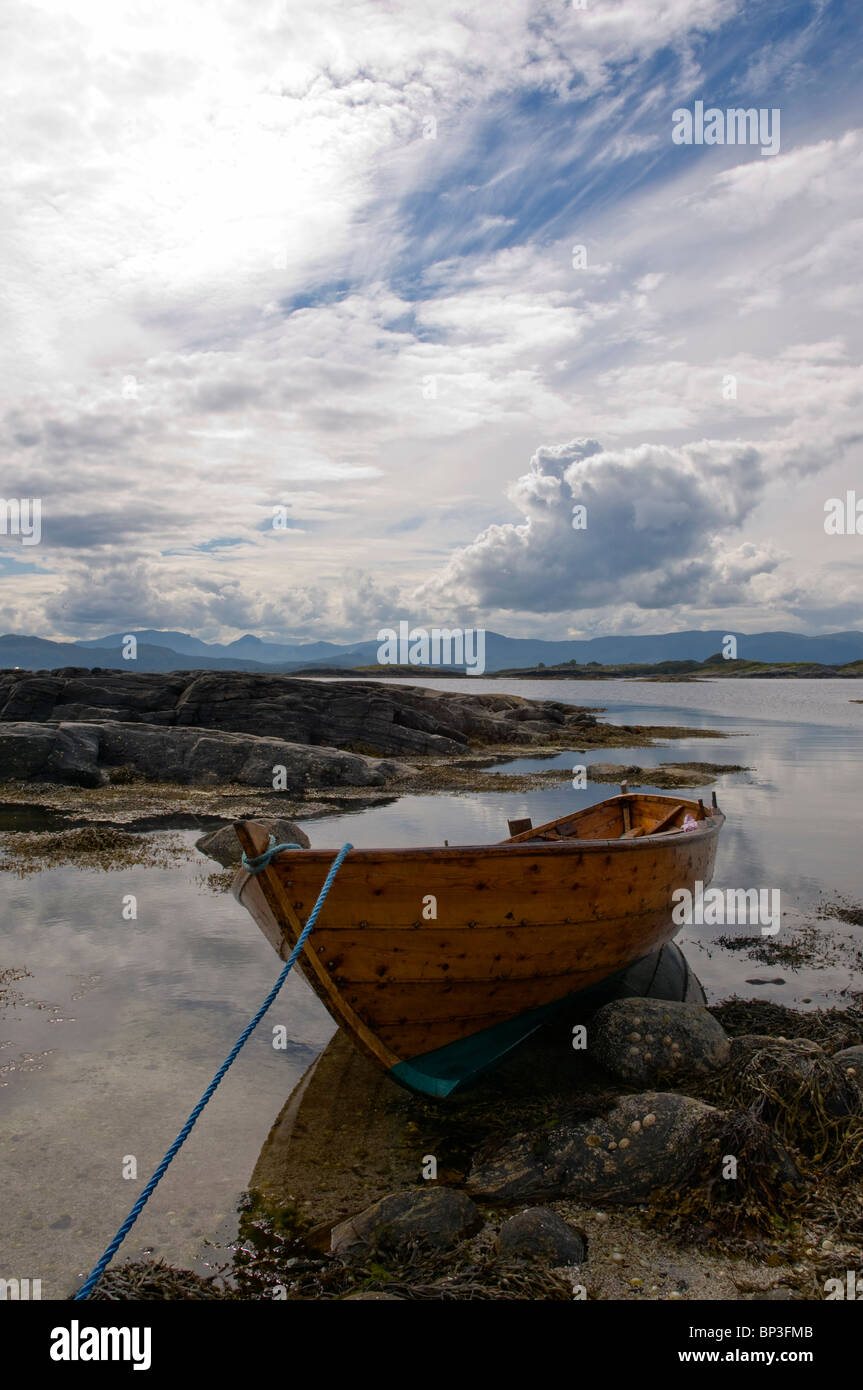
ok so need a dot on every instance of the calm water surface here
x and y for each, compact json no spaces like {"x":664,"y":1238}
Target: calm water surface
{"x":122,"y":1024}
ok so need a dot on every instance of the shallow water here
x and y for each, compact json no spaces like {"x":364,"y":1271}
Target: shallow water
{"x":122,"y":1023}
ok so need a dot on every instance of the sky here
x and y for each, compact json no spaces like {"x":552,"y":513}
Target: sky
{"x":322,"y":315}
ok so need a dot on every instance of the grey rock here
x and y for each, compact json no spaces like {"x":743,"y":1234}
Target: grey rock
{"x":435,"y":1217}
{"x":74,"y":756}
{"x":24,"y":750}
{"x":372,"y":718}
{"x":646,"y":1141}
{"x":645,"y":1042}
{"x":540,"y":1234}
{"x":223,"y":845}
{"x":85,"y":754}
{"x":203,"y":728}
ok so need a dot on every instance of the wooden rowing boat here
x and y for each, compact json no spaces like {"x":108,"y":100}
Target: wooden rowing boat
{"x":437,"y":961}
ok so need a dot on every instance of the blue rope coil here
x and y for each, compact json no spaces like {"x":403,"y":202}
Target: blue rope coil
{"x":111,"y":1249}
{"x":263,"y":861}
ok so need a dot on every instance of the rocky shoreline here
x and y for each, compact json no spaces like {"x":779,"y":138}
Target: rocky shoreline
{"x":103,"y":731}
{"x":610,"y":1177}
{"x":91,"y":728}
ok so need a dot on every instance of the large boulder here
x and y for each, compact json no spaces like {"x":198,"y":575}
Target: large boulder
{"x":648,"y":1042}
{"x":223,"y":845}
{"x":434,"y":1218}
{"x":645,"y":1142}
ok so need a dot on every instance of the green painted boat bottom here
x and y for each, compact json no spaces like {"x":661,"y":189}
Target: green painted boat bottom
{"x":663,"y":974}
{"x":442,"y":1071}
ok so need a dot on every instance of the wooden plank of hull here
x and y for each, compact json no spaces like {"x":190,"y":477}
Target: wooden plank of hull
{"x":533,"y":885}
{"x":508,"y":953}
{"x":420,"y":1002}
{"x":586,"y":910}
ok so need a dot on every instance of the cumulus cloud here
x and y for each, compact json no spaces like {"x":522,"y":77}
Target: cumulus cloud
{"x":659,"y":523}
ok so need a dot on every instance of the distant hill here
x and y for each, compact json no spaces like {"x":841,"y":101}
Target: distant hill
{"x":832,"y":649}
{"x":174,"y":641}
{"x":172,"y":651}
{"x":507,"y":653}
{"x":38,"y":654}
{"x":247,"y":648}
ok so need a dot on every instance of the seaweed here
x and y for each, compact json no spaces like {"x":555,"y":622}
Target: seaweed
{"x":833,"y":1029}
{"x":150,"y":1280}
{"x":766,"y":1192}
{"x":805,"y":1098}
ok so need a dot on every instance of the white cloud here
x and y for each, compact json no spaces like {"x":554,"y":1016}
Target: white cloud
{"x":658,"y":525}
{"x":180,"y":178}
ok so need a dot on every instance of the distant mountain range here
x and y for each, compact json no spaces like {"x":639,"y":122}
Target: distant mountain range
{"x":176,"y":651}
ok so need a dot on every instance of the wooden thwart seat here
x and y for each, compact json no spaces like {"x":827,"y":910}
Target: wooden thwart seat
{"x":667,"y":822}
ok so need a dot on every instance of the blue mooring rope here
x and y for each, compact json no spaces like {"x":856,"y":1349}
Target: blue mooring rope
{"x":261,"y":861}
{"x":254,"y":866}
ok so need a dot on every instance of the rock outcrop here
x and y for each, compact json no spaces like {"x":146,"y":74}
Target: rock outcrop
{"x":362,"y":716}
{"x":202,"y":728}
{"x":89,"y":755}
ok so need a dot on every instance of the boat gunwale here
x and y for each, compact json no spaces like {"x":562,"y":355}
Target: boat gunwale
{"x":505,"y":849}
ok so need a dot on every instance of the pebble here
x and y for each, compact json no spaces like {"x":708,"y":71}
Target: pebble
{"x":649,"y":1120}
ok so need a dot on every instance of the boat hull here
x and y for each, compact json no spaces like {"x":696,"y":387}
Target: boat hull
{"x":438,"y":961}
